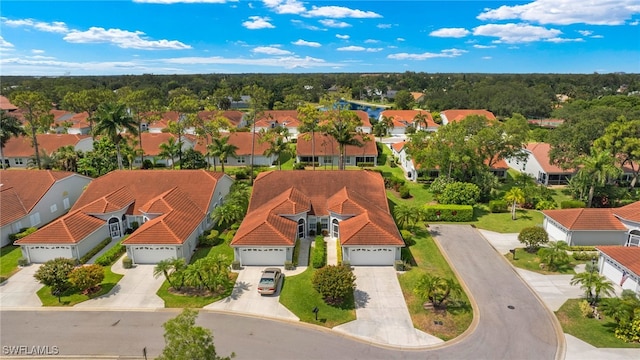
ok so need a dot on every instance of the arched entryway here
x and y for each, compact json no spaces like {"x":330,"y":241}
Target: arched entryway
{"x":301,"y":229}
{"x":335,"y":228}
{"x":114,"y":228}
{"x":634,"y":238}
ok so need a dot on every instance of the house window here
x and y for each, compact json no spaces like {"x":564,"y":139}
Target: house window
{"x":65,"y":203}
{"x":19,"y":161}
{"x":53,"y":208}
{"x":241,"y":160}
{"x":336,"y":228}
{"x":324,"y":223}
{"x":301,"y":228}
{"x":347,"y":159}
{"x":35,"y":219}
{"x":114,"y":227}
{"x":328,"y":159}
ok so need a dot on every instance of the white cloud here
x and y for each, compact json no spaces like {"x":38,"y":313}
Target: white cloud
{"x":123,"y":39}
{"x":400,"y":39}
{"x":563,"y":40}
{"x":5,"y":45}
{"x":270,"y":50}
{"x":384,"y":26}
{"x":37,"y":51}
{"x":477,"y":46}
{"x":448,"y":53}
{"x":371,"y":41}
{"x":303,"y":25}
{"x":184,"y":1}
{"x":450,"y":32}
{"x":487,"y":58}
{"x":301,"y":42}
{"x":358,"y":48}
{"x":54,"y":27}
{"x":516,"y":33}
{"x":585,"y":32}
{"x":634,"y":23}
{"x":566,"y":12}
{"x":339,"y":12}
{"x":258,"y":22}
{"x":285,"y":6}
{"x":288,"y":62}
{"x":334,"y":24}
{"x":597,"y":37}
{"x":343,"y":37}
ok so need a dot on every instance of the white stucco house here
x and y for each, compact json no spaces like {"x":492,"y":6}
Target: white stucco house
{"x":403,"y":119}
{"x":33,"y":198}
{"x":348,"y":205}
{"x":18,"y":150}
{"x":326,"y":150}
{"x":621,"y":265}
{"x":242,"y":142}
{"x":537,"y":164}
{"x":169,"y":208}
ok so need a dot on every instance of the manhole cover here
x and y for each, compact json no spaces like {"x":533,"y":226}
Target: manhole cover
{"x":511,"y":307}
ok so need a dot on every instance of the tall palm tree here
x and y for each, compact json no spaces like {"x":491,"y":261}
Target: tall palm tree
{"x":420,"y":120}
{"x":222,"y":149}
{"x":10,"y":126}
{"x":309,"y":117}
{"x":514,"y":196}
{"x":170,"y":150}
{"x":112,"y":120}
{"x":277,"y":147}
{"x":600,"y":167}
{"x":387,"y":124}
{"x":66,"y":158}
{"x":342,"y":126}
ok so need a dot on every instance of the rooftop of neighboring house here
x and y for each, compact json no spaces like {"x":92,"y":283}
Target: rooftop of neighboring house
{"x":326,"y":145}
{"x":627,"y":256}
{"x":176,"y":201}
{"x":286,"y":118}
{"x":62,"y":117}
{"x":398,"y":146}
{"x":22,"y":146}
{"x":21,"y":190}
{"x":403,"y":118}
{"x":595,"y":218}
{"x":234,"y":117}
{"x":241,"y":139}
{"x":456,"y":115}
{"x":540,"y":151}
{"x":549,"y":123}
{"x":151,"y":142}
{"x":417,"y":95}
{"x":5,"y":104}
{"x":358,"y":194}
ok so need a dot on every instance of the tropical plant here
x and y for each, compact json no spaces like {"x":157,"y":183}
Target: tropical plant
{"x":112,"y":120}
{"x":36,"y":112}
{"x":222,"y":149}
{"x":257,"y":105}
{"x":87,"y":101}
{"x":514,"y":196}
{"x":193,"y":159}
{"x":554,"y":255}
{"x":10,"y":127}
{"x":66,"y":158}
{"x":622,"y":308}
{"x":406,"y":215}
{"x":277,"y":146}
{"x":437,"y":290}
{"x":342,"y":125}
{"x":169,"y":150}
{"x":460,"y":193}
{"x":172,"y":270}
{"x":533,"y":237}
{"x":601,"y":286}
{"x":599,"y":167}
{"x":585,"y":280}
{"x":421,"y":120}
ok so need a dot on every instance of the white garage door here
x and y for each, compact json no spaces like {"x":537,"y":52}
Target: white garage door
{"x":263,"y":256}
{"x":152,"y":254}
{"x":41,"y":254}
{"x":372,"y":255}
{"x":555,"y":232}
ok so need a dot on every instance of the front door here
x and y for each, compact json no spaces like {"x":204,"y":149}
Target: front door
{"x":301,"y":229}
{"x":114,"y":228}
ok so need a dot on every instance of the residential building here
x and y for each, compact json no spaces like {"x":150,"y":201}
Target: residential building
{"x":457,"y":115}
{"x":621,"y":265}
{"x":537,"y":164}
{"x":242,"y":141}
{"x":403,"y":119}
{"x":18,"y":150}
{"x":326,"y":151}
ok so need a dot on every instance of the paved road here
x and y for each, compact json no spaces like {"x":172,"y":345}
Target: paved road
{"x":526,"y":332}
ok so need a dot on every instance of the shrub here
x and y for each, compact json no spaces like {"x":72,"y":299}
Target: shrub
{"x":23,"y":261}
{"x":235,"y":265}
{"x":533,"y":237}
{"x":582,"y":248}
{"x":399,"y":265}
{"x":572,"y":204}
{"x":288,"y":265}
{"x":86,"y":277}
{"x":498,"y":206}
{"x":22,"y":233}
{"x":404,"y":192}
{"x":111,"y":255}
{"x":438,"y":184}
{"x":319,"y":255}
{"x":95,"y":250}
{"x":392,"y":164}
{"x":366,"y":164}
{"x":406,"y":235}
{"x":454,"y":213}
{"x":346,"y":264}
{"x":583,"y":255}
{"x":298,"y":166}
{"x":127,"y":263}
{"x":210,"y":238}
{"x":546,"y":205}
{"x":585,"y":309}
{"x":334,"y":283}
{"x":460,"y":193}
{"x":296,"y":253}
{"x":241,"y":174}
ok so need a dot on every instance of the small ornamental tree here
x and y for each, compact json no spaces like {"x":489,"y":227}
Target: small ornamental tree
{"x":460,"y":193}
{"x":334,"y":283}
{"x":555,"y":255}
{"x":55,"y":274}
{"x":86,"y":277}
{"x":533,"y":237}
{"x":437,"y":290}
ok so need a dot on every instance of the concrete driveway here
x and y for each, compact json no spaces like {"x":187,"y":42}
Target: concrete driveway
{"x":19,"y":291}
{"x":245,"y":298}
{"x":136,"y":290}
{"x":381,"y":311}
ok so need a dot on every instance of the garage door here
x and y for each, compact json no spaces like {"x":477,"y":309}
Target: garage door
{"x":152,"y":254}
{"x":263,"y":256}
{"x":41,"y":254}
{"x":372,"y":256}
{"x":555,"y":232}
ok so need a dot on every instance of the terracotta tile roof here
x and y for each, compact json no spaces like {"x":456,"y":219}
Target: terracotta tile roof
{"x":541,"y":152}
{"x":456,"y":115}
{"x":234,"y":116}
{"x":629,"y":212}
{"x":69,"y":229}
{"x":21,"y":190}
{"x":327,"y":146}
{"x":5,"y":104}
{"x":500,"y":164}
{"x":398,"y":146}
{"x":403,"y":118}
{"x":347,"y":192}
{"x":114,"y":201}
{"x":417,"y":95}
{"x":364,"y":117}
{"x":287,"y":118}
{"x":242,"y":140}
{"x":586,"y":219}
{"x":160,"y":121}
{"x":151,"y":142}
{"x":22,"y":146}
{"x":627,"y":256}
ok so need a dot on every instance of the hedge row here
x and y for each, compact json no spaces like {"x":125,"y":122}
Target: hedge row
{"x":23,"y":232}
{"x":498,"y":206}
{"x":95,"y":250}
{"x":454,"y":213}
{"x":319,"y":255}
{"x":111,"y":255}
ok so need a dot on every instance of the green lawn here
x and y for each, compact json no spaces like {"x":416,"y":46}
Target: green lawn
{"x":531,"y":262}
{"x":9,"y":256}
{"x":299,"y":296}
{"x":71,"y":297}
{"x":599,"y":333}
{"x":502,"y":223}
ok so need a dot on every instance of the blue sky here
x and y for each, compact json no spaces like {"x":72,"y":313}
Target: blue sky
{"x":293,"y":36}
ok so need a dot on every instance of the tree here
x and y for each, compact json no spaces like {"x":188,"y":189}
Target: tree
{"x":87,"y":101}
{"x":342,"y":125}
{"x":309,"y":116}
{"x":277,"y":145}
{"x":585,"y":280}
{"x":101,"y":160}
{"x":514,"y":196}
{"x":170,"y":150}
{"x":533,"y":237}
{"x":599,"y":167}
{"x":10,"y":127}
{"x":140,"y":103}
{"x":555,"y":255}
{"x":460,"y":193}
{"x":36,"y":112}
{"x":193,"y":159}
{"x":407,"y":215}
{"x":622,"y":308}
{"x":222,"y":149}
{"x":421,"y":120}
{"x":437,"y":290}
{"x":228,"y":213}
{"x":208,"y":128}
{"x":112,"y":120}
{"x":601,"y":286}
{"x":334,"y":283}
{"x":171,"y":269}
{"x":622,"y":140}
{"x":184,"y":340}
{"x":86,"y":277}
{"x":257,"y":105}
{"x":211,"y":273}
{"x":186,"y":104}
{"x":404,"y":100}
{"x":55,"y":274}
{"x":66,"y":158}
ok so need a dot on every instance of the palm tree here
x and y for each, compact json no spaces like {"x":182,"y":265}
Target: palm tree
{"x":601,"y":285}
{"x":600,"y":167}
{"x":342,"y":126}
{"x":554,"y":255}
{"x":585,"y":279}
{"x":66,"y":158}
{"x":277,"y":147}
{"x":221,"y":148}
{"x":421,"y":120}
{"x":169,"y":150}
{"x":309,"y":117}
{"x":407,"y":215}
{"x":10,"y":126}
{"x":164,"y":267}
{"x":621,"y":308}
{"x":436,"y":289}
{"x":514,"y":196}
{"x":112,"y":120}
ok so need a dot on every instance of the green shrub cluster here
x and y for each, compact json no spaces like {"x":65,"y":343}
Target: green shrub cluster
{"x":399,"y":265}
{"x":23,"y":261}
{"x":394,"y":183}
{"x":111,"y":255}
{"x":95,"y":250}
{"x":404,"y":192}
{"x":572,"y":204}
{"x":127,"y":263}
{"x":210,"y":238}
{"x":498,"y":206}
{"x":366,"y":164}
{"x":22,"y":233}
{"x":582,"y":248}
{"x":319,"y":255}
{"x":296,"y":253}
{"x":583,"y":255}
{"x":298,"y":166}
{"x":454,"y":213}
{"x":241,"y":174}
{"x":460,"y":193}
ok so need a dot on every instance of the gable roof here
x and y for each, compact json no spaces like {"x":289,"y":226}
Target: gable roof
{"x":286,"y":118}
{"x":22,"y":146}
{"x":417,"y":95}
{"x":151,"y":142}
{"x":241,"y":140}
{"x":404,"y":118}
{"x":586,"y":219}
{"x":456,"y":115}
{"x":629,"y":212}
{"x":627,"y":256}
{"x":77,"y":121}
{"x":540,"y":152}
{"x":326,"y":145}
{"x":21,"y":190}
{"x":5,"y":104}
{"x":359,"y":194}
{"x":398,"y":146}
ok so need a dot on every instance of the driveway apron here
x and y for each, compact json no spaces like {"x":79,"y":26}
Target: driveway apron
{"x":20,"y":289}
